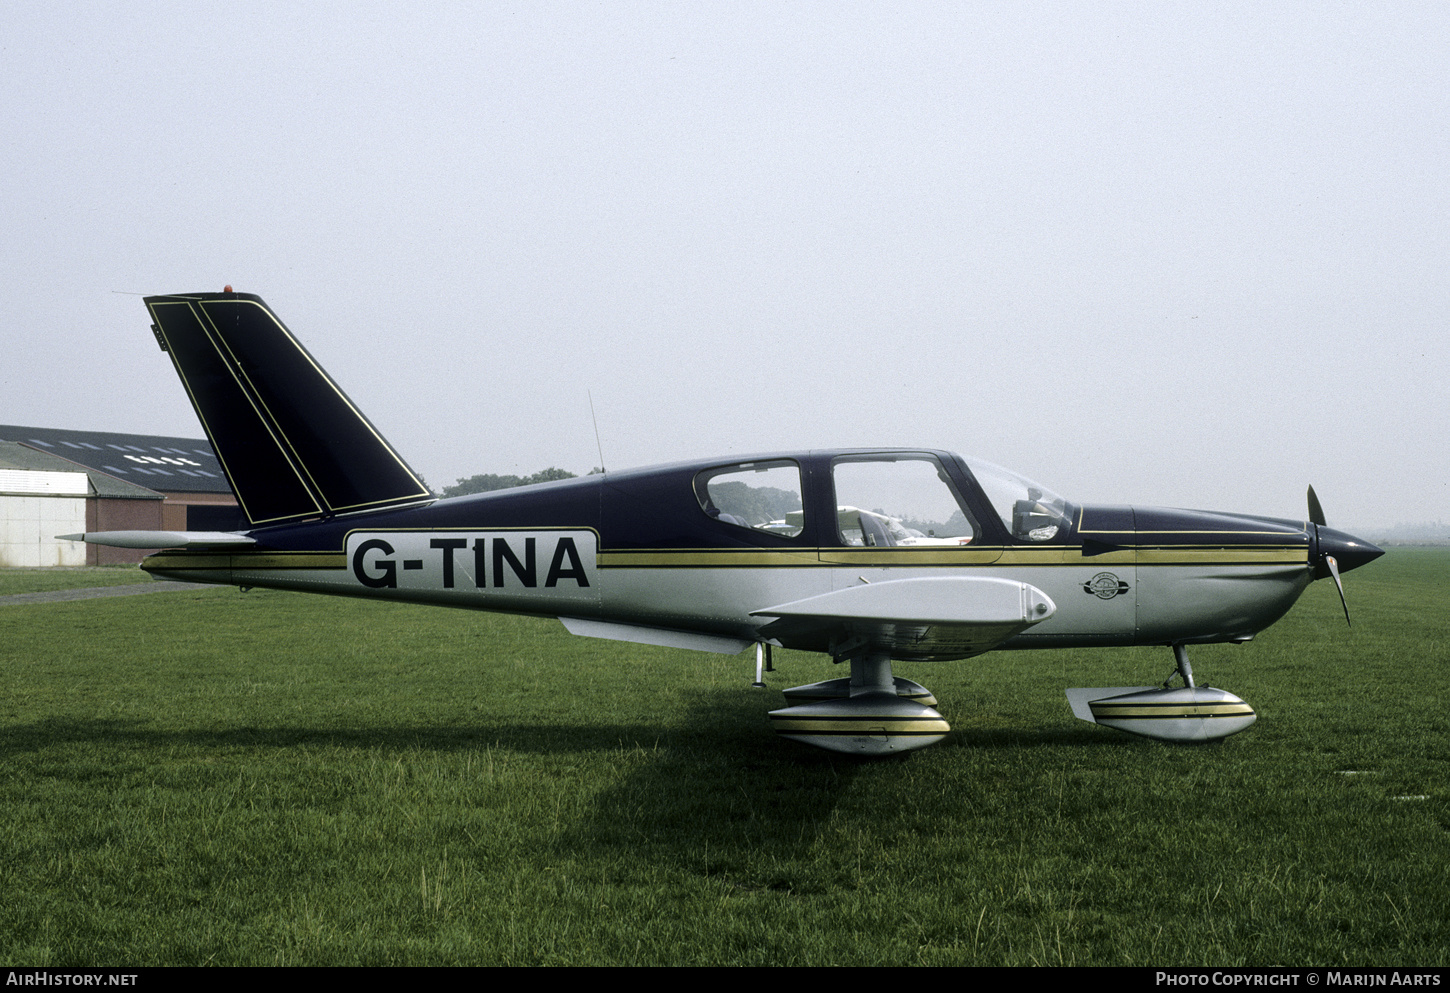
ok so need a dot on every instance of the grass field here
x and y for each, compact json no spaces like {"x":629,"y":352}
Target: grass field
{"x":214,"y":777}
{"x":46,"y":580}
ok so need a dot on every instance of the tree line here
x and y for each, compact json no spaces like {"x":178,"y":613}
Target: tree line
{"x":488,"y":482}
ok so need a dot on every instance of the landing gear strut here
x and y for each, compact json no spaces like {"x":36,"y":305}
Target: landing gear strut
{"x":1183,"y":667}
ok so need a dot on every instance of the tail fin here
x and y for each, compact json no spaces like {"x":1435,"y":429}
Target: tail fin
{"x":291,"y":442}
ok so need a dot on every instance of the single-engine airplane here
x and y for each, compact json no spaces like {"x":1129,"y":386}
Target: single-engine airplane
{"x":867,"y":555}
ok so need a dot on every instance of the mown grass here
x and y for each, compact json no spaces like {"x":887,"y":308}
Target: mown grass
{"x":78,"y":578}
{"x":227,"y":778}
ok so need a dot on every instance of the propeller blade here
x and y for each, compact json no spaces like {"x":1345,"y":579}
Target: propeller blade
{"x":1316,"y":512}
{"x":1334,"y":571}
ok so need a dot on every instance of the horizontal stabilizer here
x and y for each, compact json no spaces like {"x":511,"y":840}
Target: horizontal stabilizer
{"x":642,"y":634}
{"x":214,"y":540}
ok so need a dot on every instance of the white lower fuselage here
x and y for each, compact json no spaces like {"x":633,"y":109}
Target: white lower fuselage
{"x":1124,"y":597}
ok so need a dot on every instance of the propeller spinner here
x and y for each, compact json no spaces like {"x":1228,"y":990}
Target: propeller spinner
{"x":1333,"y":551}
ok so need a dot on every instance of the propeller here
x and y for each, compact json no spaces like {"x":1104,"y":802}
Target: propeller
{"x":1316,"y":517}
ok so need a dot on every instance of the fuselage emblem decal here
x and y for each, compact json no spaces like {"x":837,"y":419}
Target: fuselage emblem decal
{"x":1105,"y":586}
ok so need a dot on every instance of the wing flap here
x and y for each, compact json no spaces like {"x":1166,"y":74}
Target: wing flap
{"x":642,"y":634}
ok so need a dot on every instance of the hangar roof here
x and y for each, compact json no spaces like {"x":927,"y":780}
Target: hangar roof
{"x":14,"y":455}
{"x":172,"y":465}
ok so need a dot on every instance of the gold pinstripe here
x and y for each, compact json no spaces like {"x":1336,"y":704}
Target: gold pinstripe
{"x":701,"y":558}
{"x":1222,"y":556}
{"x":177,"y":561}
{"x":1120,"y":711}
{"x":858,"y":725}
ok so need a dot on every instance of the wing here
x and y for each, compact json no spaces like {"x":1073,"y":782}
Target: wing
{"x":943,"y":617}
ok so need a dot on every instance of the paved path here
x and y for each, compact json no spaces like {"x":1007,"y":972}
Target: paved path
{"x":57,"y":596}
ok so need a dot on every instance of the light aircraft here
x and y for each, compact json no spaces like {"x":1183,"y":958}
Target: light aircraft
{"x":867,"y":555}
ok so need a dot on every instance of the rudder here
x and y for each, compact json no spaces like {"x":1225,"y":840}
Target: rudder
{"x":292,"y":444}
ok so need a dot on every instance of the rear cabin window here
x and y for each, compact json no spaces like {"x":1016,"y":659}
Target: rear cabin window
{"x":758,"y":496}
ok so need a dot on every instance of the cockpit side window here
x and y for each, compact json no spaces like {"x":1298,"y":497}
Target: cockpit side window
{"x":760,"y":496}
{"x":899,"y":501}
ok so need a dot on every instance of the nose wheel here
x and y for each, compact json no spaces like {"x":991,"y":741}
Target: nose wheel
{"x":1186,"y":713}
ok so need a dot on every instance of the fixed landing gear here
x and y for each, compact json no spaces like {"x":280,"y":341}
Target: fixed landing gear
{"x":1181,"y":667}
{"x":870,"y":712}
{"x":1186,"y":713}
{"x":762,"y":664}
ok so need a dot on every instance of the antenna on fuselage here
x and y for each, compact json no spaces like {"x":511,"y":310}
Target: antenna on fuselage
{"x":598,"y":444}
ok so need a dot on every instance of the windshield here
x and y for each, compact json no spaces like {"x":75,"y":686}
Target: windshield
{"x":1030,"y":511}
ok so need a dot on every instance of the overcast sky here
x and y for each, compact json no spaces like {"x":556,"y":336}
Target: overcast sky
{"x":1186,"y":254}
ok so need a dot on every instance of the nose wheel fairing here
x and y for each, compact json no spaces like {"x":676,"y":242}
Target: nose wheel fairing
{"x":1186,"y":713}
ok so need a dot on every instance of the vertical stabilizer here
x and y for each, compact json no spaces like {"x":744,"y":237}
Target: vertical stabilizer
{"x":292,"y":444}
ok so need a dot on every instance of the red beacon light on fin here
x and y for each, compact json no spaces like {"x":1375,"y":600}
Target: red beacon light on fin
{"x":227,"y":288}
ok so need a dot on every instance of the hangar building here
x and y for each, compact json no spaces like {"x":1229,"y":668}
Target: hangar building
{"x":55,"y":481}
